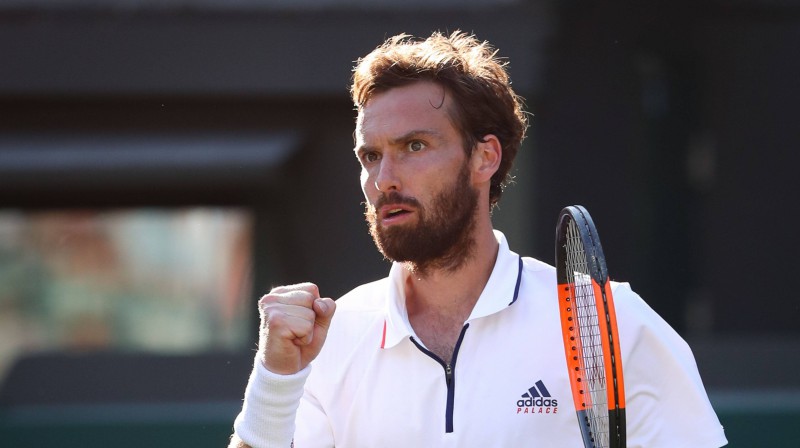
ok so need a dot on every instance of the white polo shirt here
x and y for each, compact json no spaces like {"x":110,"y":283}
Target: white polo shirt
{"x":375,"y":385}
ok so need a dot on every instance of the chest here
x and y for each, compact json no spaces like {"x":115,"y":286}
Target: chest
{"x":506,"y":387}
{"x":438,"y":334}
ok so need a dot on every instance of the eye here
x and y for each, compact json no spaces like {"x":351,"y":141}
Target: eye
{"x":369,"y":157}
{"x":416,"y":146}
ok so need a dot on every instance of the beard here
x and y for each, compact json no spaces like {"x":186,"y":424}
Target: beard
{"x":442,"y":237}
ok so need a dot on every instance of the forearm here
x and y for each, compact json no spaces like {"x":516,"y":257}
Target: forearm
{"x":236,"y":442}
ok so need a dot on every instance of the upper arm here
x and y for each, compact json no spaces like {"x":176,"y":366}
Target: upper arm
{"x":666,"y":403}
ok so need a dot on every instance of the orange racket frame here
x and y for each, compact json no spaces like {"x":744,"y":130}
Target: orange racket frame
{"x":606,"y":329}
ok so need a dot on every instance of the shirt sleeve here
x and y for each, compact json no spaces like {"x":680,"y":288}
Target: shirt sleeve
{"x":666,"y":403}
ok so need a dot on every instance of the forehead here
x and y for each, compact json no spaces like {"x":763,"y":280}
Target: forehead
{"x":422,"y":105}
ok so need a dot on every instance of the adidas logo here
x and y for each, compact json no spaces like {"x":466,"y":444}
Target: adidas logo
{"x":537,"y":400}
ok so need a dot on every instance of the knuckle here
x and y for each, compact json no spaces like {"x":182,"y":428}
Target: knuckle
{"x":309,"y":287}
{"x":304,"y":286}
{"x":296,"y":291}
{"x":268,"y":299}
{"x":278,"y":289}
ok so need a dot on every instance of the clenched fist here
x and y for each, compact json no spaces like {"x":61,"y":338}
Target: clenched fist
{"x":294,"y":324}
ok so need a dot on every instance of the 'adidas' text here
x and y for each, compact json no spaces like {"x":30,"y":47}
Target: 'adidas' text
{"x":537,"y":400}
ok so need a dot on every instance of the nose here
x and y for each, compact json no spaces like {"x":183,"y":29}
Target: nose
{"x":387,"y":179}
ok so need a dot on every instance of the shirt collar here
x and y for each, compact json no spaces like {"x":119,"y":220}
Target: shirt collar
{"x":500,"y":292}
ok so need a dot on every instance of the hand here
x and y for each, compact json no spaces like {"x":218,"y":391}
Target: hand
{"x":294,"y":325}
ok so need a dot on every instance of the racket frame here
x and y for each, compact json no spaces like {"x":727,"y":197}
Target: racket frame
{"x":604,"y":304}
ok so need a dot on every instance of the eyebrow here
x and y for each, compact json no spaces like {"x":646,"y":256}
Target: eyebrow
{"x":361,"y":149}
{"x":410,"y":135}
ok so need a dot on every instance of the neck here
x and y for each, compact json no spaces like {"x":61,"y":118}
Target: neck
{"x":453,"y":291}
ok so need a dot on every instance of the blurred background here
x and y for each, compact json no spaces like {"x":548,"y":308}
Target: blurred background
{"x":163,"y":163}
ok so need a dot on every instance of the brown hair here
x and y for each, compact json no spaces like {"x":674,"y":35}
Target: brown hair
{"x":470,"y":70}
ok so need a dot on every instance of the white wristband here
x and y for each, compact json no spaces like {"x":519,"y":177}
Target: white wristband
{"x":270,"y":405}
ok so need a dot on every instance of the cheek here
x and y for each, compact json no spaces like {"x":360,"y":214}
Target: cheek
{"x":365,"y":182}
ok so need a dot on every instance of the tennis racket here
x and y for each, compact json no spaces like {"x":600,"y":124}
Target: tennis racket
{"x":589,"y":327}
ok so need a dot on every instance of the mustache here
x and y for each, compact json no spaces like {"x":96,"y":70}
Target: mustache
{"x":396,"y":199}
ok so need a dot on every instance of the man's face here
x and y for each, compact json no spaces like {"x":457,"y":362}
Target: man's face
{"x":416,"y":177}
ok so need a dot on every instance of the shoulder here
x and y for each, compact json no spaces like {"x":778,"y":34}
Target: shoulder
{"x":357,"y":312}
{"x":532,"y":265}
{"x":536,"y":265}
{"x":540,"y":275}
{"x":645,"y":334}
{"x":634,"y":311}
{"x":363,"y":299}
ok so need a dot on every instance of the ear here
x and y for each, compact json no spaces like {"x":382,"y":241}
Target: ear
{"x":486,"y":158}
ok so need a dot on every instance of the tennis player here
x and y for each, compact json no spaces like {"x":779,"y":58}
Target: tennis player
{"x":460,"y":346}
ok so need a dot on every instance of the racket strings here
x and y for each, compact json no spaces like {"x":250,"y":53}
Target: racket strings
{"x":591,"y":360}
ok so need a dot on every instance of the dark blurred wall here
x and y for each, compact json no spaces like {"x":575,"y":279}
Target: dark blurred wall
{"x":675,"y":123}
{"x":88,"y":68}
{"x":686,"y":109}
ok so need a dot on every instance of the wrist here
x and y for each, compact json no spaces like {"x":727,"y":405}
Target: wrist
{"x":270,"y":405}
